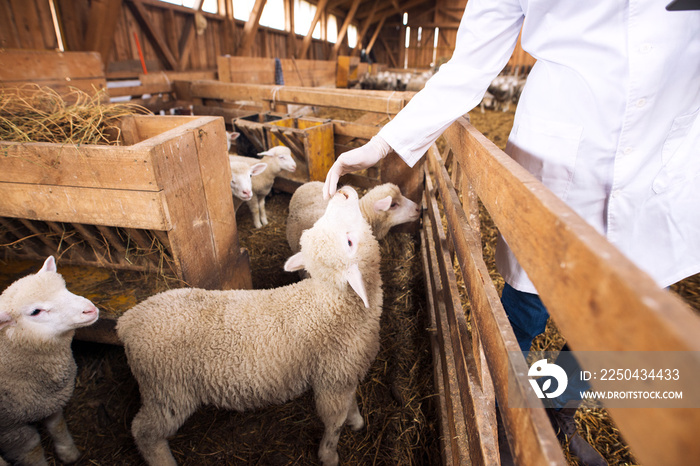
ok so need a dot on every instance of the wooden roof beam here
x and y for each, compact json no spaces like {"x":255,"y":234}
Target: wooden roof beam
{"x":251,"y":28}
{"x":320,"y":9}
{"x":376,"y":33}
{"x":362,"y":33}
{"x":159,"y":43}
{"x":344,"y":28}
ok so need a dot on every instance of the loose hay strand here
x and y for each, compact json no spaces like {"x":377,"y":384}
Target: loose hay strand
{"x":34,"y":113}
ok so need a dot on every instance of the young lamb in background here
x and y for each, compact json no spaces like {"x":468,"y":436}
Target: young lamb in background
{"x":242,"y":176}
{"x":382,"y":206}
{"x":38,"y":317}
{"x":245,"y":349}
{"x":277,"y":159}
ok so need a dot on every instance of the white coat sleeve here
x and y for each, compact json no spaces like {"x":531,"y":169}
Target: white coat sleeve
{"x":486,"y":38}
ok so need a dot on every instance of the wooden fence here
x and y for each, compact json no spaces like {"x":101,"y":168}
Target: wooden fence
{"x":598,"y":298}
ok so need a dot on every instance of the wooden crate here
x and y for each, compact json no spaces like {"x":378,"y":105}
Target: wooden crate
{"x":309,"y":139}
{"x":167,"y":188}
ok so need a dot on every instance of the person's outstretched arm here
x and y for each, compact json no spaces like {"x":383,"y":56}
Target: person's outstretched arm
{"x":485,"y":41}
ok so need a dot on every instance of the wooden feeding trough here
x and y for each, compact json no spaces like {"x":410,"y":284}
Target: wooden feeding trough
{"x":161,"y":197}
{"x":309,"y":139}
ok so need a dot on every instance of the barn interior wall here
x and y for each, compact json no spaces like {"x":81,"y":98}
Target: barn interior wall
{"x":170,"y":40}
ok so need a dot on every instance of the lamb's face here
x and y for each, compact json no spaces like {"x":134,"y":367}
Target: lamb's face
{"x":284,"y":157}
{"x":287,"y":162}
{"x":241,"y":178}
{"x":397,"y":208}
{"x":39,"y":307}
{"x":339,"y":245}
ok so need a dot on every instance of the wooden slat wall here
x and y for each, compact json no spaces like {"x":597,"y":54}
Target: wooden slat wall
{"x":26,"y":24}
{"x":170,"y":23}
{"x":59,"y":71}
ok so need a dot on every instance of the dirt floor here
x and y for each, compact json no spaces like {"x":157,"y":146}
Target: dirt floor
{"x":397,"y":397}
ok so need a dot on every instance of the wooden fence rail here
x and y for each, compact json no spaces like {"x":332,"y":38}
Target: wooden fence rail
{"x":598,"y":298}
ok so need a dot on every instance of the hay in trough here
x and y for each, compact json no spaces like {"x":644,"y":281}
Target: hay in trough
{"x":33,"y":113}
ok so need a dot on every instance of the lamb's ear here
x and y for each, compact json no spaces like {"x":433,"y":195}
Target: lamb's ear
{"x":267,"y":152}
{"x":258,"y":168}
{"x":296,"y":262}
{"x":233,"y":135}
{"x":49,"y":265}
{"x":5,"y":319}
{"x":383,"y":205}
{"x":355,"y":280}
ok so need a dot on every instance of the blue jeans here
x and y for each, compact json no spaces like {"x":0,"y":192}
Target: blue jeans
{"x":528,"y":317}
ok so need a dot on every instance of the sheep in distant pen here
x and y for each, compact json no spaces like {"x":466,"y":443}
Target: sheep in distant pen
{"x":244,"y":349}
{"x":277,"y":159}
{"x":38,"y":317}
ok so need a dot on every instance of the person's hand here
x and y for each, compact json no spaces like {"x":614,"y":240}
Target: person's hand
{"x":354,"y":160}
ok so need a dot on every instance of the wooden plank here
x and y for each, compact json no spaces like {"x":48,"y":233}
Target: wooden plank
{"x":27,"y":20}
{"x":354,"y":130}
{"x":476,"y":401}
{"x":638,"y":315}
{"x":110,"y":207}
{"x":319,"y":151}
{"x":47,"y":65}
{"x":445,"y":437}
{"x":104,"y":16}
{"x":386,"y":102}
{"x":141,"y":90}
{"x":202,"y":240}
{"x":108,"y":167}
{"x":456,"y":437}
{"x":8,"y":28}
{"x":154,"y":130}
{"x":216,"y":177}
{"x":533,"y":437}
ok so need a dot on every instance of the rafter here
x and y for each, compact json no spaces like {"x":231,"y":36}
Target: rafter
{"x":341,"y":35}
{"x":365,"y":26}
{"x":251,"y":27}
{"x":320,"y":9}
{"x":374,"y":36}
{"x":159,"y":43}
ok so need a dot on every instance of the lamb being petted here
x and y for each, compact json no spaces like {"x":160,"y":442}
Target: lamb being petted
{"x":277,"y":159}
{"x":383,"y":207}
{"x":38,"y":317}
{"x":245,"y":349}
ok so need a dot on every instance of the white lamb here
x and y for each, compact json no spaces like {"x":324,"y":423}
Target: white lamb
{"x":242,"y":176}
{"x":38,"y":317}
{"x":382,"y":206}
{"x":244,"y":349}
{"x":277,"y":159}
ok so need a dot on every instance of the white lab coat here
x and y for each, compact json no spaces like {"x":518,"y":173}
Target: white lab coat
{"x":608,"y":119}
